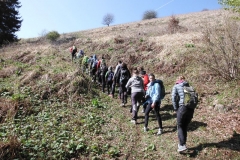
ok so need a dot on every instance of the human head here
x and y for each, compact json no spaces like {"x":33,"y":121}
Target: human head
{"x":124,"y":65}
{"x":151,"y":77}
{"x":142,"y":73}
{"x":140,"y":69}
{"x":181,"y":78}
{"x":110,"y":68}
{"x":135,"y":71}
{"x":120,"y":62}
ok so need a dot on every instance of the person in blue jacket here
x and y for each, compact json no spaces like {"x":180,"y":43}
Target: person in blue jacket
{"x":154,"y":101}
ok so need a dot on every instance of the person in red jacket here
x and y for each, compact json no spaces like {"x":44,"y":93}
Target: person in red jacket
{"x":145,"y":82}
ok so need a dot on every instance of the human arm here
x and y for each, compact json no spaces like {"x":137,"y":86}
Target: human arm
{"x":174,"y":94}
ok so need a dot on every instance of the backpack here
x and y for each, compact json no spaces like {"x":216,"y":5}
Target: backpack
{"x":94,"y":64}
{"x":190,"y":97}
{"x":124,"y":76}
{"x":110,"y":76}
{"x":160,"y":82}
{"x":85,"y":59}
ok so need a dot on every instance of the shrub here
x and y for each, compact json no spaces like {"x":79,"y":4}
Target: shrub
{"x":149,"y":15}
{"x":173,"y":24}
{"x":53,"y":36}
{"x":222,"y":50}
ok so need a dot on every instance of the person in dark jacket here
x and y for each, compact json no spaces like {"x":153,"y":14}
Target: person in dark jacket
{"x":184,"y":114}
{"x":115,"y":79}
{"x":109,"y":79}
{"x":103,"y":72}
{"x":122,"y":77}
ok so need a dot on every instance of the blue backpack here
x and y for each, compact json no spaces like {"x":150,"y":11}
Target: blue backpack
{"x":160,"y":82}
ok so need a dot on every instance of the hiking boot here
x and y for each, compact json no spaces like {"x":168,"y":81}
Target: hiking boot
{"x":133,"y":121}
{"x":145,"y":129}
{"x":110,"y":95}
{"x":160,"y":131}
{"x":181,"y":148}
{"x":130,"y":110}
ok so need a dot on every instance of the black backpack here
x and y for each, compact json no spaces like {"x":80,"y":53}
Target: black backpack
{"x":162,"y":94}
{"x":190,"y":97}
{"x":124,"y":76}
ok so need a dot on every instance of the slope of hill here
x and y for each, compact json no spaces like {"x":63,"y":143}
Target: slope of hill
{"x":51,"y":110}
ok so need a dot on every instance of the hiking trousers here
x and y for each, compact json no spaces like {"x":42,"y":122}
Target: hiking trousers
{"x":184,"y":117}
{"x":109,"y":85}
{"x":123,"y":92}
{"x":158,"y":116}
{"x":136,"y":98}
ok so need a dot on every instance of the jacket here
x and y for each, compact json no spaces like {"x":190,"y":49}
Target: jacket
{"x":177,"y":91}
{"x":118,"y":74}
{"x":136,"y":84}
{"x":153,"y":92}
{"x":145,"y":81}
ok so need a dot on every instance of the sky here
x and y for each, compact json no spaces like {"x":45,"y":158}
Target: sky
{"x":65,"y":16}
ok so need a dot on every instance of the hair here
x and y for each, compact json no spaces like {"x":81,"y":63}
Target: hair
{"x":181,"y":77}
{"x":140,"y":68}
{"x":152,"y":75}
{"x":135,"y":71}
{"x":124,"y":65}
{"x":120,"y":61}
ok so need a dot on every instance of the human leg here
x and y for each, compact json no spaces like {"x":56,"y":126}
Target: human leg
{"x":147,"y":111}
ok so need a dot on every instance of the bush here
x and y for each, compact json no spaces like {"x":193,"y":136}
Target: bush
{"x":173,"y":24}
{"x":149,"y":15}
{"x":222,"y":50}
{"x":53,"y":36}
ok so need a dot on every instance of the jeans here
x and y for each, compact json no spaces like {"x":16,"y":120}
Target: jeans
{"x":184,"y":117}
{"x":158,"y":116}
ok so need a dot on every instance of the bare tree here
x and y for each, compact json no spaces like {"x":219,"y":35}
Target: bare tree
{"x":108,"y":19}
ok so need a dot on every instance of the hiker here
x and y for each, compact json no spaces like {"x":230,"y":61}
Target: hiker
{"x":84,"y":63}
{"x":80,"y":54}
{"x":99,"y":78}
{"x":90,"y":66}
{"x":103,"y":71}
{"x":145,"y":83}
{"x":122,"y":77}
{"x":115,"y":79}
{"x":73,"y":51}
{"x":94,"y":67}
{"x":137,"y":92}
{"x":184,"y":114}
{"x":109,"y":79}
{"x":153,"y":96}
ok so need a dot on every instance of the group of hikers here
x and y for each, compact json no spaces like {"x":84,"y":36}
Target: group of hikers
{"x":144,"y":89}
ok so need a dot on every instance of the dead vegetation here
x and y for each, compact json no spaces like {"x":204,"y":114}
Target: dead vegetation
{"x":35,"y":74}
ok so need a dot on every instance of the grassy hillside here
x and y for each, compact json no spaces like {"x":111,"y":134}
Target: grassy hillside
{"x":49,"y":109}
